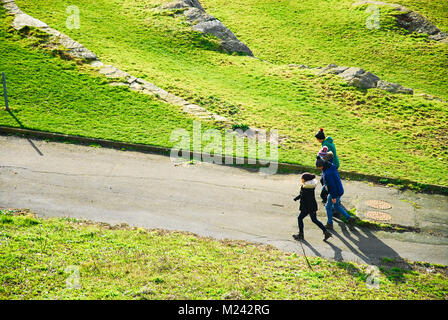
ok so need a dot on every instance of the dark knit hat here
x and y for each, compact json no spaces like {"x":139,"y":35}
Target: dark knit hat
{"x":320,"y":162}
{"x":308,"y":176}
{"x":320,"y":134}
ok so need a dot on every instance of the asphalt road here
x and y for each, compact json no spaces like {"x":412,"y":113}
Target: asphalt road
{"x":66,"y":180}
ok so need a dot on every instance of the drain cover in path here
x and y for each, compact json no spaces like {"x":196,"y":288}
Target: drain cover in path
{"x":376,"y":215}
{"x":378,"y":204}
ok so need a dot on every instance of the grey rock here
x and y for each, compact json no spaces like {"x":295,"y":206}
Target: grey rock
{"x":429,"y":97}
{"x":411,"y":20}
{"x":135,"y":86}
{"x":439,"y":36}
{"x":236,"y":46}
{"x":216,"y":28}
{"x":11,"y":7}
{"x":148,"y":86}
{"x":112,"y":72}
{"x":83,"y":53}
{"x":180,"y":4}
{"x":359,"y":78}
{"x":22,"y":20}
{"x":96,"y":63}
{"x":393,"y":87}
{"x":175,"y":5}
{"x":131,"y":79}
{"x":207,"y":24}
{"x":331,"y":65}
{"x":415,"y":22}
{"x":194,"y":4}
{"x":196,"y":15}
{"x":328,"y":67}
{"x":52,"y":32}
{"x":366,"y":80}
{"x":338,"y":70}
{"x":333,"y":68}
{"x":351,"y":73}
{"x":300,"y":66}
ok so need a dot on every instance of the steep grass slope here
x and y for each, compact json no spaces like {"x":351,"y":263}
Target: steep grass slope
{"x":50,"y":94}
{"x":322,"y":32}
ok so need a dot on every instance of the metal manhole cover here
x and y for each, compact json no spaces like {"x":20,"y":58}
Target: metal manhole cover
{"x":378,"y":204}
{"x":376,"y":215}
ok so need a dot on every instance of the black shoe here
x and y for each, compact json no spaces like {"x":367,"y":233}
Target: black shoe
{"x":327,"y":235}
{"x":351,"y":221}
{"x":298,"y":237}
{"x":329,"y":226}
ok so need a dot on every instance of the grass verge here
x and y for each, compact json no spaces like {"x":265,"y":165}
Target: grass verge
{"x":72,"y":259}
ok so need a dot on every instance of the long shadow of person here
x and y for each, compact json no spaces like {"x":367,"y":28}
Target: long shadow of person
{"x":368,"y":246}
{"x":371,"y":250}
{"x":315,"y":252}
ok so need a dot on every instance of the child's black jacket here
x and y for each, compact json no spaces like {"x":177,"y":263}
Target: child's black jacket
{"x":307,"y":198}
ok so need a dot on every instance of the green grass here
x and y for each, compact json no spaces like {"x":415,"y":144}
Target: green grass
{"x":320,"y":32}
{"x":50,"y":94}
{"x":38,"y":257}
{"x":375,"y":132}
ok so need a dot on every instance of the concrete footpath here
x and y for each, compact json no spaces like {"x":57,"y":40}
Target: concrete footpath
{"x":66,"y":180}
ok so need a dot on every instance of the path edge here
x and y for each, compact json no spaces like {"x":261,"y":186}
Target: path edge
{"x":247,"y":163}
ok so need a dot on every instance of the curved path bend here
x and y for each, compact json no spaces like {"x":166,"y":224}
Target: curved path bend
{"x":66,"y":180}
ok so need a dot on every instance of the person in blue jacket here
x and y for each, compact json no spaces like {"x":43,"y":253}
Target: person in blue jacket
{"x":333,"y":183}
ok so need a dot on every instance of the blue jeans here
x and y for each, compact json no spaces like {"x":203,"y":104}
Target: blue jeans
{"x":330,"y":205}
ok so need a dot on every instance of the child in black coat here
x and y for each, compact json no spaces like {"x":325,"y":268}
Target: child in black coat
{"x":308,"y":205}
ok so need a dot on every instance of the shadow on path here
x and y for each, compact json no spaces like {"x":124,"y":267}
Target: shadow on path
{"x":369,"y":249}
{"x":28,"y":139}
{"x":364,"y":244}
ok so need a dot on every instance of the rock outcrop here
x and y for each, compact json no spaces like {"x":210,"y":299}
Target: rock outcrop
{"x":207,"y":24}
{"x":393,"y":87}
{"x":358,"y":77}
{"x":23,"y":20}
{"x":410,"y":20}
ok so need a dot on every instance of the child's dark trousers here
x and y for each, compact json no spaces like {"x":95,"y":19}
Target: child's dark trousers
{"x":313,"y":216}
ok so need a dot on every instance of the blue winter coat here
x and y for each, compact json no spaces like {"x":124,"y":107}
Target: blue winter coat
{"x":331,"y":179}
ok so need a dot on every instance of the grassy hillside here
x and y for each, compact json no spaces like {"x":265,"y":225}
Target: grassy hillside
{"x":375,"y":132}
{"x":51,"y":94}
{"x":39,"y":256}
{"x":322,"y":32}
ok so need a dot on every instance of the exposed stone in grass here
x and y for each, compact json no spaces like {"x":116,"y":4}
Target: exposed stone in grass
{"x":393,"y":87}
{"x":411,"y":21}
{"x":358,"y":77}
{"x":300,"y":66}
{"x":207,"y":24}
{"x":429,"y":97}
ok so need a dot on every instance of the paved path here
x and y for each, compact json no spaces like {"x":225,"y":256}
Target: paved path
{"x":56,"y":179}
